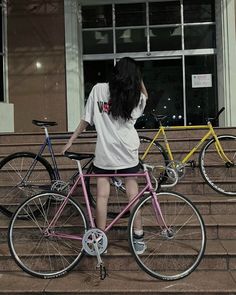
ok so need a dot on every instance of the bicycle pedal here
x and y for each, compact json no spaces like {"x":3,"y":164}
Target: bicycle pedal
{"x":102,"y":271}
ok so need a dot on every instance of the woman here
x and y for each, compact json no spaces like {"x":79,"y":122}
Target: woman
{"x":114,"y":108}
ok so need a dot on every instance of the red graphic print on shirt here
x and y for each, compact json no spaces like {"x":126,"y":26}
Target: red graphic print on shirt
{"x":104,"y":107}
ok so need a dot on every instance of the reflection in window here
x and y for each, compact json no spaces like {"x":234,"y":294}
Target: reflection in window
{"x":130,"y":14}
{"x":97,"y":16}
{"x":161,"y":13}
{"x":197,"y":37}
{"x":128,"y":40}
{"x":165,"y":38}
{"x":96,"y":71}
{"x":97,"y":42}
{"x":199,"y":11}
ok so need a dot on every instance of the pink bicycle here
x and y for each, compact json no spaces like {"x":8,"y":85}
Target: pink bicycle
{"x":57,"y":231}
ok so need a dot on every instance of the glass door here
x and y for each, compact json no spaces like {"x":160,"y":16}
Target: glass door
{"x":164,"y":82}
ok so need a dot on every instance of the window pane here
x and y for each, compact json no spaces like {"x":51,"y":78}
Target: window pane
{"x":163,"y":80}
{"x":165,"y":38}
{"x":199,"y":11}
{"x":96,"y":71}
{"x":197,"y":37}
{"x":202,"y":101}
{"x":164,"y":13}
{"x":97,"y":42}
{"x":128,"y":40}
{"x":130,"y":14}
{"x":97,"y":16}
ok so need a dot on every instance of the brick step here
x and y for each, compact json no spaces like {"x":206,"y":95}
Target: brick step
{"x":219,"y":255}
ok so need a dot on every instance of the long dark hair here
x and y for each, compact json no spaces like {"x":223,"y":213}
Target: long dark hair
{"x":125,"y":88}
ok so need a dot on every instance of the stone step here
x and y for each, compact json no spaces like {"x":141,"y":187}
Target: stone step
{"x":180,"y":147}
{"x":171,"y":134}
{"x":217,"y":227}
{"x":119,"y":283}
{"x":215,"y":204}
{"x":219,"y":255}
{"x":10,"y":143}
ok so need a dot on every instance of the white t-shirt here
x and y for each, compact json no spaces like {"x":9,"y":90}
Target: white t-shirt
{"x":117,"y":140}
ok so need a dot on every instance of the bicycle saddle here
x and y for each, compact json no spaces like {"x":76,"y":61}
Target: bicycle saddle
{"x":43,"y":123}
{"x":76,"y":156}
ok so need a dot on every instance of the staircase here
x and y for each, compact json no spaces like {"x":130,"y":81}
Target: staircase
{"x":216,"y":273}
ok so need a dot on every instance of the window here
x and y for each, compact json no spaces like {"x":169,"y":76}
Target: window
{"x":170,"y":43}
{"x":202,"y":99}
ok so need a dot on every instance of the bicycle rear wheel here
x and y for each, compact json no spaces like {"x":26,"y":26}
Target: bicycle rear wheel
{"x":156,"y":156}
{"x":173,"y":252}
{"x":34,"y":249}
{"x":22,"y":175}
{"x":221,"y":176}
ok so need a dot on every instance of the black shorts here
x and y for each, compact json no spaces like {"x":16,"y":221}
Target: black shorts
{"x":130,"y":170}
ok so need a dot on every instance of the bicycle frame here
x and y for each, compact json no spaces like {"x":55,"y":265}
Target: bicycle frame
{"x":211,"y":132}
{"x":48,"y":143}
{"x":81,"y":178}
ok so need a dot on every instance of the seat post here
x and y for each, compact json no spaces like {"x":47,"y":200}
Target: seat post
{"x":46,"y":131}
{"x":79,"y":166}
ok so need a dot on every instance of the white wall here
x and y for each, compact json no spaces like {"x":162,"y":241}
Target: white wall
{"x":74,"y":66}
{"x":227,"y":69}
{"x":6,"y":117}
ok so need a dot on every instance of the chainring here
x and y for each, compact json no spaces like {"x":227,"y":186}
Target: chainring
{"x":93,"y":237}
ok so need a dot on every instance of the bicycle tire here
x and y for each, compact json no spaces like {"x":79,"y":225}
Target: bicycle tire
{"x":37,"y":253}
{"x":13,"y":169}
{"x":118,"y":199}
{"x":219,"y":175}
{"x":156,"y":156}
{"x":173,"y":254}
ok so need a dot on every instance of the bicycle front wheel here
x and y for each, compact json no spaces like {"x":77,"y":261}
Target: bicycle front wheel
{"x":172,"y":251}
{"x":218,"y":173}
{"x":43,"y":251}
{"x":21,"y":176}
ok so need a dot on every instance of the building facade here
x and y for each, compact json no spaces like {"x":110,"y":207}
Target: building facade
{"x":53,"y":52}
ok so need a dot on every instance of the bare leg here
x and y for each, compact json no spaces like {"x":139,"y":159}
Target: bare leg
{"x":131,"y":186}
{"x":103,"y":192}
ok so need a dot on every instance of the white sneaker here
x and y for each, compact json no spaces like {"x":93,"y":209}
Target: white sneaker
{"x":139,"y":244}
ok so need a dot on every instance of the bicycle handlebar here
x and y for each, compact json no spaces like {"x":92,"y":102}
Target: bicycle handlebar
{"x":220,"y":111}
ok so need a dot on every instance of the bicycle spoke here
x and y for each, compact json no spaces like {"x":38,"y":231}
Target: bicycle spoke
{"x":174,"y":251}
{"x":48,"y":255}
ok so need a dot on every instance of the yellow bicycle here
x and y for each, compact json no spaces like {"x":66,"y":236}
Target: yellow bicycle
{"x":217,"y":155}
